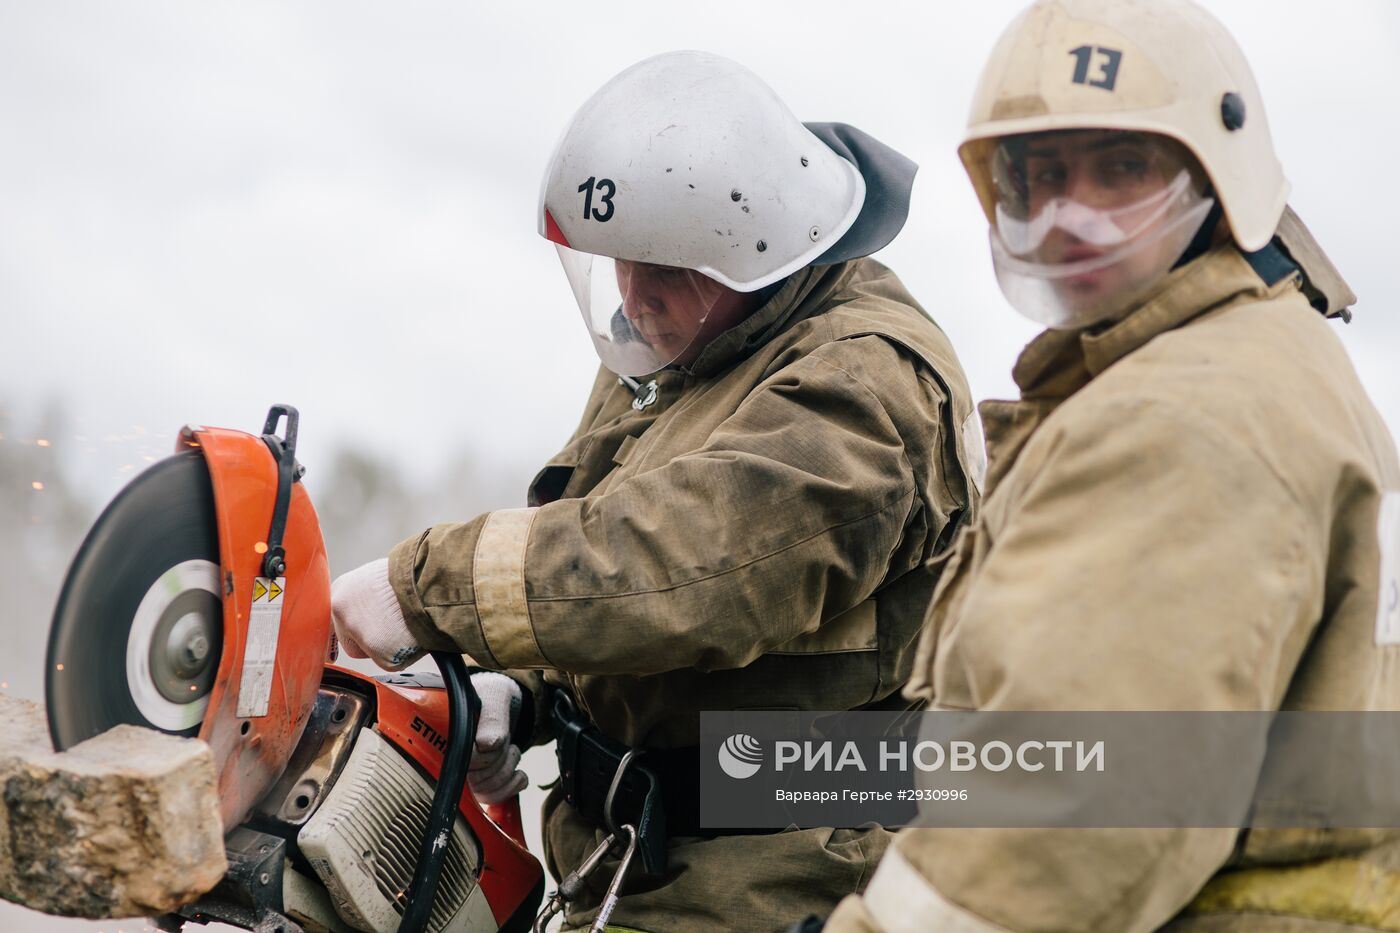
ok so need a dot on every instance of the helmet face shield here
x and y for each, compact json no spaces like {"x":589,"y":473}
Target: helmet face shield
{"x":1164,"y":67}
{"x":1087,"y":221}
{"x":642,"y":317}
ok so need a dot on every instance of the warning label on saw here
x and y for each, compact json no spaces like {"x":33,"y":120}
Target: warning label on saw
{"x":260,"y":652}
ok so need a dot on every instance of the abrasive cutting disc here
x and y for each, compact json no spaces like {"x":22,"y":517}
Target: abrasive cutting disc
{"x":138,"y":630}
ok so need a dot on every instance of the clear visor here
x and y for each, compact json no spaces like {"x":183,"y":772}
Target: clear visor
{"x":1103,"y":227}
{"x":641,"y":317}
{"x":1087,"y":221}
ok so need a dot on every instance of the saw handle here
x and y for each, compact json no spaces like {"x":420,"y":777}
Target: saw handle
{"x":284,"y":453}
{"x":275,"y":414}
{"x":463,"y":713}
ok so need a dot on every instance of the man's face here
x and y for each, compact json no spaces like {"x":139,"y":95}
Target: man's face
{"x":1087,"y":195}
{"x":678,"y":311}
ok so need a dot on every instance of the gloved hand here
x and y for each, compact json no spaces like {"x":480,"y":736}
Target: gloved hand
{"x":494,"y":773}
{"x":368,"y":620}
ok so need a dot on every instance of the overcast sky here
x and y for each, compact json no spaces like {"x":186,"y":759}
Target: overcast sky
{"x":206,"y":208}
{"x":209,"y":207}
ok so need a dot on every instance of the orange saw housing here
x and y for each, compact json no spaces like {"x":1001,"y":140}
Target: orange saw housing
{"x":275,"y":643}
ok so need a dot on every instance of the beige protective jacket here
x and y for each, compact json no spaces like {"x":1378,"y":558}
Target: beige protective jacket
{"x":755,"y":538}
{"x":1182,"y":514}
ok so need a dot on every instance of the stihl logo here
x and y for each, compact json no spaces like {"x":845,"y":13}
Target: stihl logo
{"x":435,"y":739}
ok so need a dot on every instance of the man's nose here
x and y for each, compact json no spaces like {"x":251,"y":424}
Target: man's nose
{"x":1084,"y":185}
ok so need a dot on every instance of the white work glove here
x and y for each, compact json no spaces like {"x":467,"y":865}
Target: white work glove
{"x":368,"y":620}
{"x":494,"y":773}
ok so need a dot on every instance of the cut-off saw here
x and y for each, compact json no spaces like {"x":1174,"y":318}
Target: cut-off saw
{"x":199,"y":605}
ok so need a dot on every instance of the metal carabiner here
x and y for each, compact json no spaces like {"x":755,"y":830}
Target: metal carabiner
{"x":552,"y":907}
{"x":572,"y":884}
{"x":622,"y":766}
{"x":605,"y":910}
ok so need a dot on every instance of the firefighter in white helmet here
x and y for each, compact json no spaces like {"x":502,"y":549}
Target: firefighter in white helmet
{"x":774,"y":449}
{"x":1192,"y":506}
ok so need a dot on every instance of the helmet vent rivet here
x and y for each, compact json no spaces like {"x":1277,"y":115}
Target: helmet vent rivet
{"x":735,"y":195}
{"x":804,"y":161}
{"x":762,"y":246}
{"x":815,"y":233}
{"x":1232,"y":111}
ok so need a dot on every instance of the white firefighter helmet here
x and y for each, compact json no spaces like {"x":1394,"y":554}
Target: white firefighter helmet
{"x":1163,"y":67}
{"x":688,"y":163}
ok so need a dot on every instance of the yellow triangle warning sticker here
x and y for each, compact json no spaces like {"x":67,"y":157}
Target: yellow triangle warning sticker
{"x":274,"y":591}
{"x":259,"y":590}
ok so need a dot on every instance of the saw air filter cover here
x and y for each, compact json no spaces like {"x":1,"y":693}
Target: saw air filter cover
{"x":363,"y":842}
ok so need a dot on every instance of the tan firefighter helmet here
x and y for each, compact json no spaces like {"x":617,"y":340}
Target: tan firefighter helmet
{"x":1154,"y":66}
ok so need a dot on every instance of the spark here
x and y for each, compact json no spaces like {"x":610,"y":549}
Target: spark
{"x":260,"y":548}
{"x":193,"y":688}
{"x":4,"y":685}
{"x":37,"y":485}
{"x":149,"y":459}
{"x":42,"y":442}
{"x":59,"y":666}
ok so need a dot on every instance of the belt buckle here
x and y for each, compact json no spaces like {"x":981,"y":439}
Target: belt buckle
{"x":569,"y":726}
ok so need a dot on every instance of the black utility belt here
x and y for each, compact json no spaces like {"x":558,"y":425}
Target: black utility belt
{"x":655,"y":790}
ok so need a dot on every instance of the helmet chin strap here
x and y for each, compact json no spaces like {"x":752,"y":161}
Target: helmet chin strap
{"x":1205,"y":237}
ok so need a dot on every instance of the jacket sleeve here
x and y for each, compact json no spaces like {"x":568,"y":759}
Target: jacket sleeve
{"x":792,"y":512}
{"x":1151,"y":561}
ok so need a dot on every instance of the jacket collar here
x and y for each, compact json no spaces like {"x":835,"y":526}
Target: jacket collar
{"x":1059,"y":363}
{"x":1056,"y":363}
{"x":800,"y":296}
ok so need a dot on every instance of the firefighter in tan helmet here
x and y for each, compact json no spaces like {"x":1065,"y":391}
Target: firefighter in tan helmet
{"x":1192,"y":506}
{"x":770,"y":455}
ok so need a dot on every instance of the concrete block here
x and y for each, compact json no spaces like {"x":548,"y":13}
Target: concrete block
{"x":125,"y":824}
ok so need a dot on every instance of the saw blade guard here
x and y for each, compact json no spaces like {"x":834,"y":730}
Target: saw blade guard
{"x":199,"y":604}
{"x":277,"y":627}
